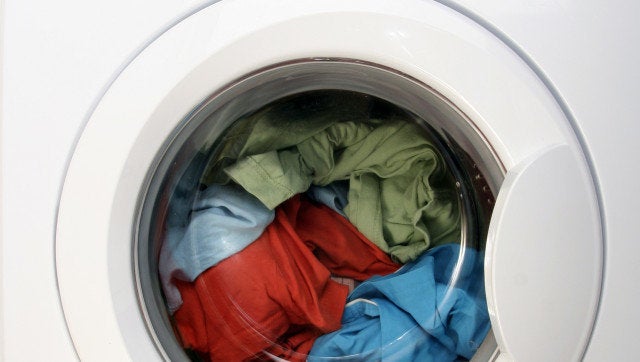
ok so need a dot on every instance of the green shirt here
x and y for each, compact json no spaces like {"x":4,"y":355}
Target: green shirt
{"x":400,"y":195}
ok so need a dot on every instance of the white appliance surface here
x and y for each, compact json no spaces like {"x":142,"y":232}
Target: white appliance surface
{"x":589,"y":52}
{"x":59,"y":58}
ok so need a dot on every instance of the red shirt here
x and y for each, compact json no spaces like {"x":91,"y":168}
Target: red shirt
{"x":277,"y":295}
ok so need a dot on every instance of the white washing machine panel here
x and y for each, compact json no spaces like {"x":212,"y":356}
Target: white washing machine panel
{"x":548,"y":86}
{"x":544,"y":247}
{"x":56,"y":60}
{"x":587,"y":52}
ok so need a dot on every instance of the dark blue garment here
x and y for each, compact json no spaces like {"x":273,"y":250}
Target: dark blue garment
{"x":418,"y":313}
{"x":333,"y":195}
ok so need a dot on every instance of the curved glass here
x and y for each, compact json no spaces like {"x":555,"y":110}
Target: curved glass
{"x":319,"y":209}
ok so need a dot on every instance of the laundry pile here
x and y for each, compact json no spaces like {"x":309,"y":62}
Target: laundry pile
{"x":304,"y":200}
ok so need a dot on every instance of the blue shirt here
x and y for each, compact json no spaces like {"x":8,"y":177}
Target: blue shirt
{"x":418,"y":313}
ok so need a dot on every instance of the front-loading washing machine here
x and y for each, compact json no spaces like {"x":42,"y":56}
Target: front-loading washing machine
{"x":107,"y":110}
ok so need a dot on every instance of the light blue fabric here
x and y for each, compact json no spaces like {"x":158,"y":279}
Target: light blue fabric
{"x":178,"y":210}
{"x":333,"y":195}
{"x":223,"y":220}
{"x":412,"y":315}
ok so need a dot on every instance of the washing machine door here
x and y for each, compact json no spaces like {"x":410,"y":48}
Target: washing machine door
{"x":543,"y":258}
{"x":543,"y":247}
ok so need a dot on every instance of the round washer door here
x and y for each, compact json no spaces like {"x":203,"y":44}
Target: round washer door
{"x":544,"y":248}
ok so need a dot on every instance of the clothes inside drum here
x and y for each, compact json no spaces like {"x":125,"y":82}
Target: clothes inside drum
{"x":326,"y":224}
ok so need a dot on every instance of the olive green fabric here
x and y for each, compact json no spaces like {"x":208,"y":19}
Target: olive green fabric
{"x":400,"y":195}
{"x":284,"y":124}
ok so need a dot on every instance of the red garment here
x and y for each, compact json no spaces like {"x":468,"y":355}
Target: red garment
{"x":276,"y":295}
